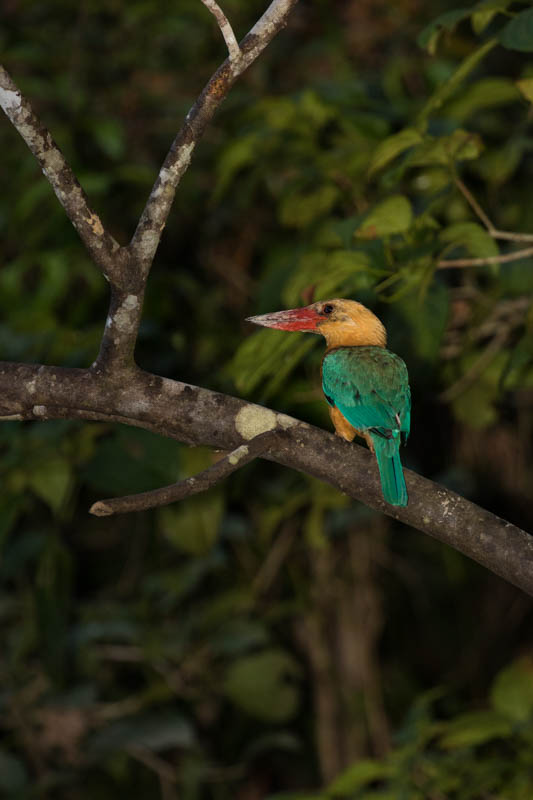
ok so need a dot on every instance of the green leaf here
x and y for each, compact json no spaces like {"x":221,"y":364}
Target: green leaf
{"x":193,"y":524}
{"x":445,"y":22}
{"x":472,"y":237}
{"x":356,"y":776}
{"x":484,"y":12}
{"x":512,"y":691}
{"x":259,"y":684}
{"x":458,"y":146}
{"x":154,"y":731}
{"x":498,"y":164}
{"x":393,"y":215}
{"x":519,"y":365}
{"x":115,"y":629}
{"x":51,"y":481}
{"x":264,"y":354}
{"x":11,"y":507}
{"x":314,"y":109}
{"x":447,"y":89}
{"x":299,"y":209}
{"x":334,"y":233}
{"x":279,"y":740}
{"x":392,"y":146}
{"x":132,"y":460}
{"x":480,"y":20}
{"x":474,"y":728}
{"x":518,"y":33}
{"x":278,"y":113}
{"x":486,"y":93}
{"x":426,"y":318}
{"x":476,"y":405}
{"x":240,"y":153}
{"x":109,"y":134}
{"x":236,"y":636}
{"x":526,"y":87}
{"x":327,"y":272}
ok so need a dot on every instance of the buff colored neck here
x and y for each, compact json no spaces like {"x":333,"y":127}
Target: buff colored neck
{"x":367,"y":332}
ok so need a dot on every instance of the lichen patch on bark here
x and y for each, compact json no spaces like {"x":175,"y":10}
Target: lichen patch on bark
{"x":95,"y":224}
{"x":123,"y":315}
{"x":253,"y":420}
{"x":237,"y":454}
{"x":284,"y":421}
{"x":10,"y":100}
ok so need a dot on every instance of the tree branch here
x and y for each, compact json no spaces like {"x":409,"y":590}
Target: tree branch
{"x":225,"y":28}
{"x":199,"y":416}
{"x":103,"y":248}
{"x":483,"y":262}
{"x":127,"y":268}
{"x":147,"y":236}
{"x":198,"y":483}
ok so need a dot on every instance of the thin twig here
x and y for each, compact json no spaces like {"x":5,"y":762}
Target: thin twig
{"x":164,"y":771}
{"x":469,"y":197}
{"x":198,"y":483}
{"x":105,"y":251}
{"x":225,"y":28}
{"x":151,"y":760}
{"x":491,"y":229}
{"x":482,"y":262}
{"x":147,"y":236}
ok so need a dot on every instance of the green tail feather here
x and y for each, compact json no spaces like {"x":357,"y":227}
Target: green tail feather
{"x":390,"y":470}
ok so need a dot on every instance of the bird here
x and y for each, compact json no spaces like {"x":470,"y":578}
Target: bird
{"x":365,"y":385}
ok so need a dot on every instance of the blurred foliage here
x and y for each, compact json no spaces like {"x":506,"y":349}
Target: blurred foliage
{"x":486,"y":753}
{"x":265,"y":639}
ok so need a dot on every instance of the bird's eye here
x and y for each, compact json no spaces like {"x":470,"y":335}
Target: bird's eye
{"x":328,"y":308}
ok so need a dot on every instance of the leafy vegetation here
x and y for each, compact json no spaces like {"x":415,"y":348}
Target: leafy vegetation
{"x":271,"y":639}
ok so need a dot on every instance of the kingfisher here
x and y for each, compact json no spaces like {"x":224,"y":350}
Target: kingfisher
{"x":365,"y":385}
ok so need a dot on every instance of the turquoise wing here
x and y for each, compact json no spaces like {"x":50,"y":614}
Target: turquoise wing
{"x":370,"y":387}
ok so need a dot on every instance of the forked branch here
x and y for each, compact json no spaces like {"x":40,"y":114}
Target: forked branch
{"x":127,"y":268}
{"x":513,"y":236}
{"x":509,"y":236}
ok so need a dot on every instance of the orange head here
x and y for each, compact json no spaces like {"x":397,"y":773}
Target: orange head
{"x":342,"y":323}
